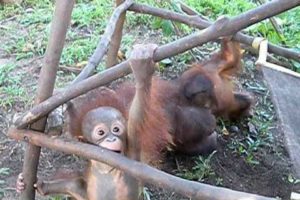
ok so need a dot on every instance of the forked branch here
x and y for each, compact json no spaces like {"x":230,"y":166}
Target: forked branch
{"x":102,"y":46}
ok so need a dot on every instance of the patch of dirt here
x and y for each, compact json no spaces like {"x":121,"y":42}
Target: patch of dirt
{"x":267,"y":177}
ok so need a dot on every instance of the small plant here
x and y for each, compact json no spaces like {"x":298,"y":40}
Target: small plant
{"x":58,"y":197}
{"x":200,"y":171}
{"x":219,"y":181}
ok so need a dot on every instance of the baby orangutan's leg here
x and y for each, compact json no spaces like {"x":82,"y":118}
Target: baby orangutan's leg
{"x":72,"y":185}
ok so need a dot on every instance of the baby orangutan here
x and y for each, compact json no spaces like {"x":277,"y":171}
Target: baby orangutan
{"x":106,"y":127}
{"x":209,"y":84}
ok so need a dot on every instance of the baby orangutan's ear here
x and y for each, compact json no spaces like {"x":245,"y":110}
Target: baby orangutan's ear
{"x":81,"y":139}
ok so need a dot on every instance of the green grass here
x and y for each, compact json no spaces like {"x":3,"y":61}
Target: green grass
{"x":289,"y":21}
{"x":11,"y":89}
{"x":214,"y":9}
{"x":59,"y":197}
{"x":89,"y":19}
{"x":79,"y":50}
{"x":256,"y":138}
{"x":95,"y":13}
{"x":3,"y":172}
{"x":200,"y":171}
{"x":28,"y":45}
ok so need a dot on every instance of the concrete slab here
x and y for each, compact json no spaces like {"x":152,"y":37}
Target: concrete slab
{"x":285,"y":89}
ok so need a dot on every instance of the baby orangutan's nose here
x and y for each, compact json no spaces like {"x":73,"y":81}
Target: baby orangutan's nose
{"x":113,"y":139}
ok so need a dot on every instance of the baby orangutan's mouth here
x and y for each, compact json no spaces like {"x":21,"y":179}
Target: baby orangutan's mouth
{"x":117,"y":151}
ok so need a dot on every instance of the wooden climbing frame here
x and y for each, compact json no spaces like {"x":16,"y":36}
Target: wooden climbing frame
{"x":31,"y":125}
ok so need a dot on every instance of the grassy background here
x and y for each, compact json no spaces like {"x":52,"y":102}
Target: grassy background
{"x":92,"y":16}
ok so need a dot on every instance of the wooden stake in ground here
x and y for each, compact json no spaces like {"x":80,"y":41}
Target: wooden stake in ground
{"x":221,"y":27}
{"x":60,"y":23}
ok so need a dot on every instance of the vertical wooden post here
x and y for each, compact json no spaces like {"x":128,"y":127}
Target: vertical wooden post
{"x":112,"y":53}
{"x":59,"y":27}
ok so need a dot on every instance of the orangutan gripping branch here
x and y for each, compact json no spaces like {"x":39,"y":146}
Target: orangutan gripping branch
{"x":180,"y":113}
{"x":172,"y":120}
{"x":209,"y":83}
{"x":106,"y":127}
{"x":141,"y":121}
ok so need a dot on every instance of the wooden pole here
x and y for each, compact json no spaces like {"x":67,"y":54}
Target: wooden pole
{"x":104,"y":42}
{"x":112,"y":54}
{"x":198,"y":21}
{"x":60,"y":23}
{"x":247,"y":39}
{"x":143,"y":172}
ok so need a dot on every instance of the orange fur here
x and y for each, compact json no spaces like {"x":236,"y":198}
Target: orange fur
{"x":154,"y":135}
{"x":218,"y":70}
{"x":172,"y":119}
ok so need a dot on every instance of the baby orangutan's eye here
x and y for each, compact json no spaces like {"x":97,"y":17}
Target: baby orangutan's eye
{"x":101,"y":132}
{"x":116,"y":129}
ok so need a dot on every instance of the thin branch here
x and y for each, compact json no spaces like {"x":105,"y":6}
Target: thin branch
{"x":221,"y":27}
{"x":104,"y":43}
{"x":112,"y":54}
{"x":194,"y":21}
{"x":142,"y":172}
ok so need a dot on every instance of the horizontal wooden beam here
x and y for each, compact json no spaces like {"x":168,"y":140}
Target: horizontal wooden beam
{"x":141,"y":171}
{"x":194,"y":20}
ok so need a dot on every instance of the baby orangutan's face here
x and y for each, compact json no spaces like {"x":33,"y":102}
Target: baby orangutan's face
{"x":105,"y":126}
